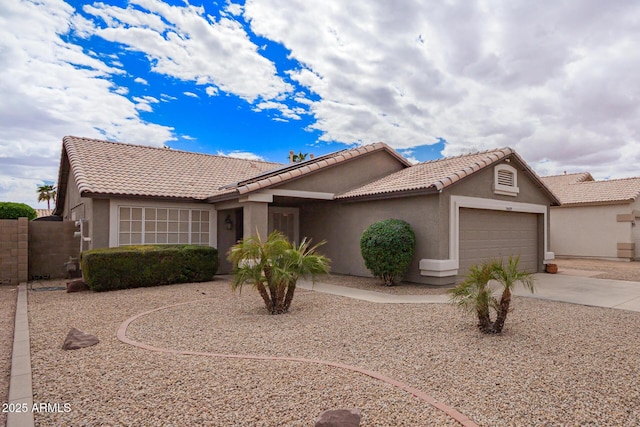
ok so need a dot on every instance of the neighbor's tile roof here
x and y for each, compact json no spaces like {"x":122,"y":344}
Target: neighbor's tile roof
{"x":585,"y":190}
{"x":434,"y":175}
{"x":43,"y":212}
{"x":556,"y":181}
{"x":297,"y":170}
{"x":111,"y":168}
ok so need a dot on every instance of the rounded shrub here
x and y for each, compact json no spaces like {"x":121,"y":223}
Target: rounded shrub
{"x":11,"y":210}
{"x":387,"y":248}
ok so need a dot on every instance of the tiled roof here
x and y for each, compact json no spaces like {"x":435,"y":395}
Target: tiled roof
{"x":111,"y":168}
{"x":297,"y":170}
{"x":43,"y":212}
{"x":584,"y":190}
{"x":566,"y":179}
{"x":433,"y":175}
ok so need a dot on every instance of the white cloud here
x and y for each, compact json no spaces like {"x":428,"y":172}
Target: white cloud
{"x":191,"y":94}
{"x":284,"y":109}
{"x":141,"y":81}
{"x":211,"y":90}
{"x":185,"y":43}
{"x":556,"y":82}
{"x":51,"y":88}
{"x":241,"y":155}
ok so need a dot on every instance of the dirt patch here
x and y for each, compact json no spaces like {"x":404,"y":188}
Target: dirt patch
{"x":8,"y":298}
{"x":615,"y":270}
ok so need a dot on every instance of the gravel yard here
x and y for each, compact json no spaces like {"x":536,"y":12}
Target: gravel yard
{"x":555,"y":364}
{"x":8,"y":296}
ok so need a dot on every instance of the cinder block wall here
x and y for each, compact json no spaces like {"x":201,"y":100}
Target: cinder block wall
{"x":14,"y":251}
{"x":50,"y":246}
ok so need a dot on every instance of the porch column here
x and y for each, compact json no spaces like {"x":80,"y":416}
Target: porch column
{"x":255,"y":217}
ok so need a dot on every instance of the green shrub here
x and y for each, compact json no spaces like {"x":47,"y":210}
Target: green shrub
{"x":11,"y":210}
{"x":387,"y":248}
{"x":147,"y":265}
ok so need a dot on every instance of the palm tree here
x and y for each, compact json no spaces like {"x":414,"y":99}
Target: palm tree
{"x":300,"y":157}
{"x":476,"y":294}
{"x":273,"y":267}
{"x":46,"y":192}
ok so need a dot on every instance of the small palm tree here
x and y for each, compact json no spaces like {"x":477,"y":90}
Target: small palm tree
{"x":476,"y":294}
{"x":46,"y":193}
{"x":273,"y":267}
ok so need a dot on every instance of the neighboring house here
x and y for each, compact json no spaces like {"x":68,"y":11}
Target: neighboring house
{"x":40,"y":213}
{"x":463,"y":209}
{"x":596,"y":219}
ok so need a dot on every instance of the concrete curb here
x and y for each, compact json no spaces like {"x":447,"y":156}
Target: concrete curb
{"x":20,"y":388}
{"x":449,"y":411}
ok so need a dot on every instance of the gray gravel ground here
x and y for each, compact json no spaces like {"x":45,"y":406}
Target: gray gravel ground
{"x":555,"y":364}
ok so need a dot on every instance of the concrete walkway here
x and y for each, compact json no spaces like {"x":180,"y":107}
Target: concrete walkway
{"x":607,"y":293}
{"x":20,"y":391}
{"x":556,"y":287}
{"x":371,"y":296}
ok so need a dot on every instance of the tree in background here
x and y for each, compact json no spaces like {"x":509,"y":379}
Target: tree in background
{"x":46,"y":193}
{"x":11,"y":210}
{"x":300,"y":157}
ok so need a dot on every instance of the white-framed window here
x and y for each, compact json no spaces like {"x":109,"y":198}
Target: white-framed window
{"x":505,"y":180}
{"x":139,"y":225}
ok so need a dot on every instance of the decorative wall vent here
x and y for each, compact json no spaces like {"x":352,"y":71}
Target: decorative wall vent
{"x":505,"y":180}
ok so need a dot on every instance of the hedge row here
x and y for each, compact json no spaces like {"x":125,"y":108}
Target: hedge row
{"x":147,"y":265}
{"x":11,"y":210}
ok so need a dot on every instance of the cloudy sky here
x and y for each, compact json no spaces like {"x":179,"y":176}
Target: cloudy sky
{"x":557,"y":81}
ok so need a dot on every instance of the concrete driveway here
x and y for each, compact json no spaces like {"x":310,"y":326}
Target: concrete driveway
{"x":618,"y":294}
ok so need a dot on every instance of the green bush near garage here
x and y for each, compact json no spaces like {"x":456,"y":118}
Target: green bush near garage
{"x":387,"y":249}
{"x":126,"y":267}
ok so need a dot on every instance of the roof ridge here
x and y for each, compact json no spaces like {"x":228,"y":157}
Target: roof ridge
{"x":566,"y":174}
{"x":629,"y":178}
{"x":502,"y":149}
{"x":127,"y":144}
{"x":294,"y":170}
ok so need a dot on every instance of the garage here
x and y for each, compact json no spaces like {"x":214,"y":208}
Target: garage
{"x":491,"y":234}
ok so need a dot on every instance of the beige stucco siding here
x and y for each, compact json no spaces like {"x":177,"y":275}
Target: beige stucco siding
{"x":347,"y":175}
{"x":342,"y":225}
{"x":589,"y":231}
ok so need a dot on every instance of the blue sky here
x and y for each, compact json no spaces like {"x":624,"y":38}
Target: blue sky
{"x":255,"y":79}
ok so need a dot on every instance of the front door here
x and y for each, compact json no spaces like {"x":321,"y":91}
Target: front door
{"x":285,"y":220}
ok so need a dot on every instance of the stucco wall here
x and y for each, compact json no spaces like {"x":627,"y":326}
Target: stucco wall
{"x":589,"y":231}
{"x":342,"y":225}
{"x":347,"y":175}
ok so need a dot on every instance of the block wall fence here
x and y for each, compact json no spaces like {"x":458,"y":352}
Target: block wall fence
{"x":35,"y":249}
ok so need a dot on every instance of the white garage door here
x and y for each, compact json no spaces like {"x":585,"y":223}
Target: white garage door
{"x":487,"y":235}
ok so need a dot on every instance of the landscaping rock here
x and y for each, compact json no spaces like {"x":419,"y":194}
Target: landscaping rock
{"x":339,"y":418}
{"x":77,"y":286}
{"x":77,"y":339}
